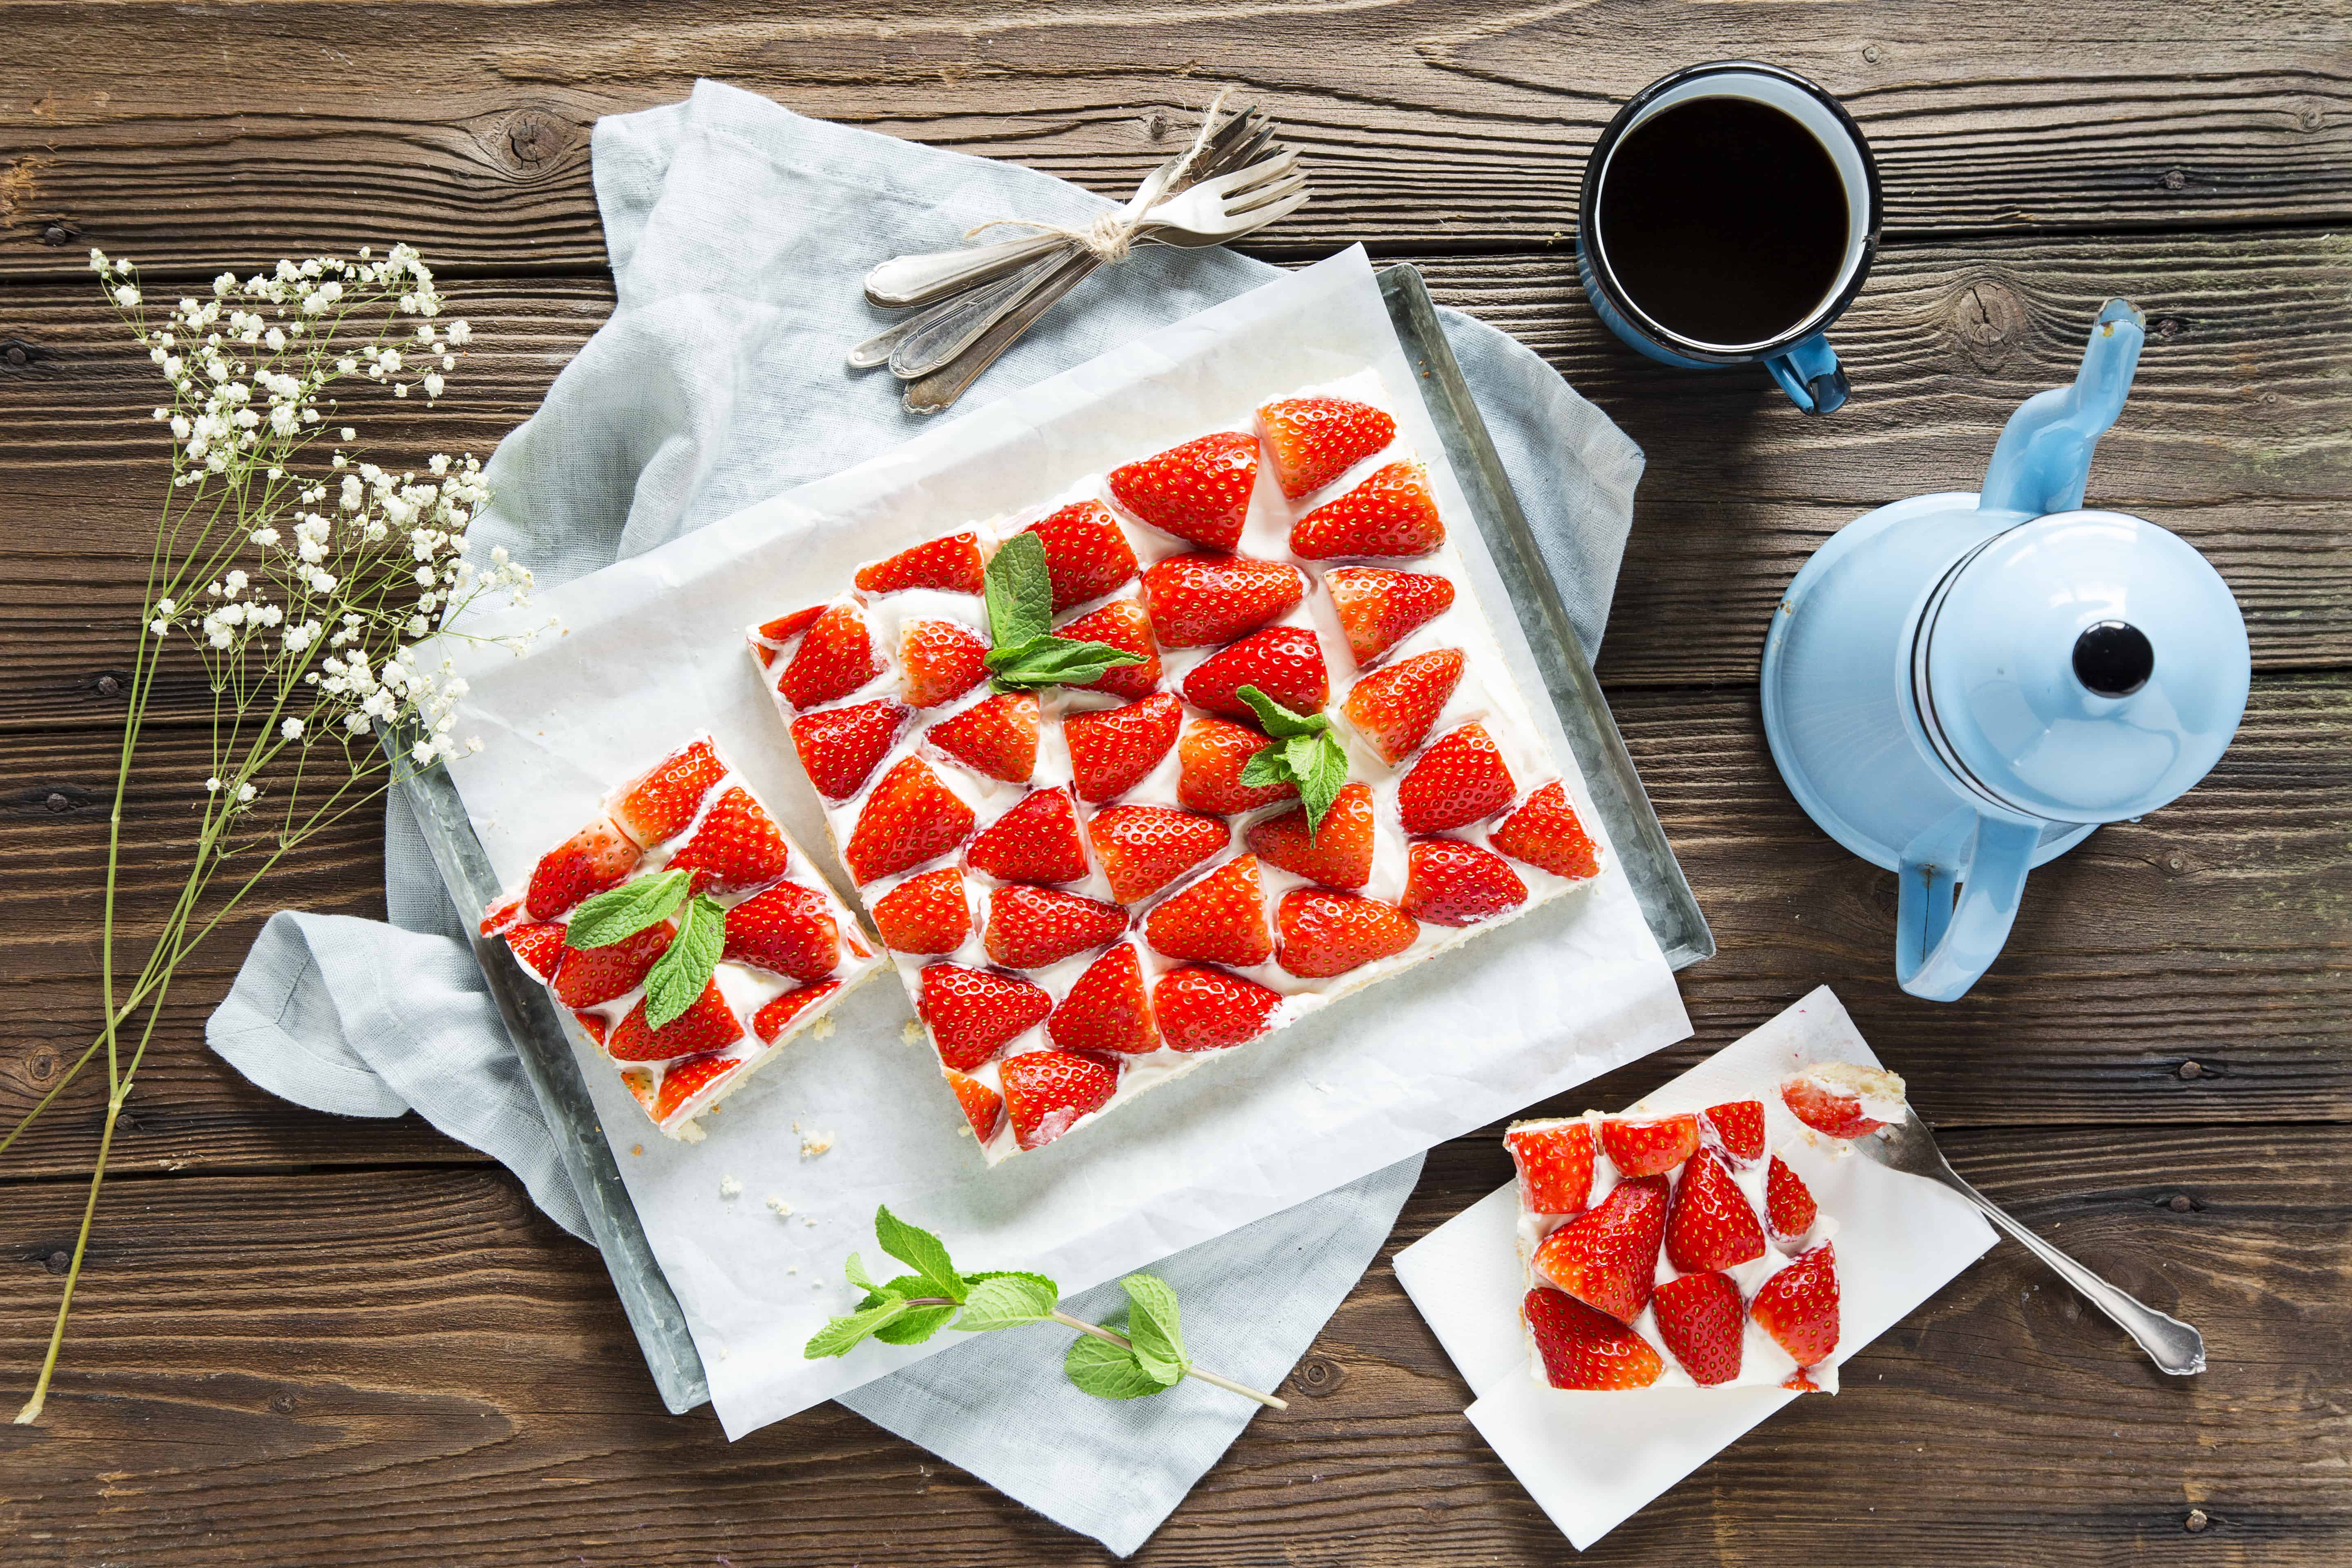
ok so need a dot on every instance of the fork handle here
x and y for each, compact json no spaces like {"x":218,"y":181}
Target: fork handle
{"x":907,"y":280}
{"x":937,"y":390}
{"x":940,"y":332}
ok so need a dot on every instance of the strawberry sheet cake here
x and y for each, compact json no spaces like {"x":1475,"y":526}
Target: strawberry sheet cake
{"x":1146,"y":771}
{"x":686,"y":934}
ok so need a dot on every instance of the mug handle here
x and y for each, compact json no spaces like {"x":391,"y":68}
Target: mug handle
{"x":1943,"y":947}
{"x":1809,"y":373}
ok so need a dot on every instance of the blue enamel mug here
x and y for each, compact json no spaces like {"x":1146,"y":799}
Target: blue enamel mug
{"x":1709,"y":233}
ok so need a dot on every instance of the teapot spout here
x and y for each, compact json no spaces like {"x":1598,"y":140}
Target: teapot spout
{"x":2043,"y":462}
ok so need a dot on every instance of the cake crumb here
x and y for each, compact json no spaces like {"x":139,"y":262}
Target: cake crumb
{"x":911,"y":1032}
{"x":815,"y":1143}
{"x":810,"y":1222}
{"x":792,"y":1269}
{"x":821,"y":1029}
{"x":636,"y":1147}
{"x":776,"y":1203}
{"x":728,"y":1187}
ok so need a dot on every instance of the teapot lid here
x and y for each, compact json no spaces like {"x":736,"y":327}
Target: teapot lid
{"x":2084,"y":667}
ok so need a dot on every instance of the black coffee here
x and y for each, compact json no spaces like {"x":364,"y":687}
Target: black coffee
{"x":1724,"y":219}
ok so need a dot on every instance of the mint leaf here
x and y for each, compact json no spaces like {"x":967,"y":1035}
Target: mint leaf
{"x":1322,"y":782}
{"x":1019,"y":591}
{"x":920,"y":1324}
{"x":855,"y":1269}
{"x":1305,"y":753}
{"x":1055,"y":661}
{"x":622,"y":912}
{"x":1276,"y":720}
{"x":840,"y":1336}
{"x":921,"y":1251}
{"x":685,"y":967}
{"x":1298,"y":754}
{"x":1107,"y":1372}
{"x":1151,"y":1324}
{"x":1265,"y":768}
{"x":1007,"y":1301}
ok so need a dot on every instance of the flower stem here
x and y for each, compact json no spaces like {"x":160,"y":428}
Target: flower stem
{"x":1123,"y":1342}
{"x":32,"y":1409}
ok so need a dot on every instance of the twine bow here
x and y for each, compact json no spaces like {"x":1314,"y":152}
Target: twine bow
{"x":1110,"y":236}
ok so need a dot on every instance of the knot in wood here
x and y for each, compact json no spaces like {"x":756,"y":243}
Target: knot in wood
{"x":60,"y":801}
{"x":1985,"y":320}
{"x":2174,"y":180}
{"x":58,"y":1262}
{"x":56,"y":234}
{"x":41,"y":1066}
{"x":109,"y":685}
{"x":2196,"y":1521}
{"x":1319,"y":1377}
{"x":2180,"y":1202}
{"x":17,"y":354}
{"x":531,"y":139}
{"x":2192,"y":1070}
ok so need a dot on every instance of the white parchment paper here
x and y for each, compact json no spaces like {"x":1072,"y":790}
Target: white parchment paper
{"x":653,"y":650}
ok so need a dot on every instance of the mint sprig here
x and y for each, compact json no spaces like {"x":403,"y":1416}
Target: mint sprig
{"x":1148,"y":1359}
{"x":622,"y":912}
{"x":685,"y":967}
{"x":1024,"y":653}
{"x":1305,"y":753}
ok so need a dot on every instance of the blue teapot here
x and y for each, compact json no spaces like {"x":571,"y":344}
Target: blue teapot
{"x":1960,"y":687}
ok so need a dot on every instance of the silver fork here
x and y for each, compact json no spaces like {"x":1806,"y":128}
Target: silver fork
{"x":1910,"y":1146}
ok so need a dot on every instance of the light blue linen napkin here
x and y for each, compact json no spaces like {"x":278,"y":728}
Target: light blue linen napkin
{"x":739,"y":233}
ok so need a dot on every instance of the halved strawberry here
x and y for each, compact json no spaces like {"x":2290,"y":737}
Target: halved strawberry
{"x":1555,"y":1165}
{"x":1283,"y":662}
{"x":1828,"y":1096}
{"x":500,"y":915}
{"x":639,"y":1083}
{"x":1788,"y":1207}
{"x":1046,"y":1092}
{"x":1391,"y":514}
{"x":909,"y":818}
{"x":1029,"y":927}
{"x":538,"y":948}
{"x":1739,"y":1128}
{"x":709,"y":1025}
{"x":1104,"y":1009}
{"x":1799,"y":1305}
{"x":1198,"y":601}
{"x":1393,"y":708}
{"x":1608,"y":1256}
{"x":789,"y":929}
{"x":1460,"y":780}
{"x":1112,"y":749}
{"x":1545,"y":833}
{"x":596,"y":1027}
{"x":683,"y":1081}
{"x":1199,"y":491}
{"x":1123,"y":624}
{"x":1142,"y":848}
{"x":982,"y":1106}
{"x":662,"y":802}
{"x":1647,"y":1145}
{"x":939,"y":661}
{"x":925,"y":914}
{"x":1378,"y":607}
{"x":1036,"y":840}
{"x":1710,"y":1225}
{"x":1209,"y":762}
{"x":972,"y":1012}
{"x":778,"y":1011}
{"x":834,"y":659}
{"x":737,"y":846}
{"x":1581,"y":1348}
{"x":1327,"y":934}
{"x":1209,"y":1010}
{"x":839,"y":746}
{"x":1699,"y":1318}
{"x":997,"y":737}
{"x":590,"y":860}
{"x":1314,"y":440}
{"x":1450,"y":883}
{"x":1340,"y":852}
{"x":951,"y":562}
{"x":784,"y":628}
{"x":592,"y":975}
{"x":1085,"y":554}
{"x":1221,"y":919}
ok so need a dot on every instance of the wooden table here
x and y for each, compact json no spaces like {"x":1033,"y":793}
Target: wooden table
{"x":305,"y":1340}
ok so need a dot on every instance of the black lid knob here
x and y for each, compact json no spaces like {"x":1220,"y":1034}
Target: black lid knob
{"x":2113,"y":659}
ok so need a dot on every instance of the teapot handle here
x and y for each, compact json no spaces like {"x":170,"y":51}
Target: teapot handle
{"x":1943,"y":945}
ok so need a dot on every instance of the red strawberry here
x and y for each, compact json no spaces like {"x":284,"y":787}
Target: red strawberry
{"x":1799,"y":1305}
{"x":926,"y":913}
{"x":1314,"y":440}
{"x":1450,"y":883}
{"x":951,"y":563}
{"x":1029,"y":927}
{"x":834,"y":660}
{"x":1085,"y":554}
{"x":1545,"y":833}
{"x":1122,"y":625}
{"x":1034,"y":841}
{"x":789,"y":929}
{"x":1608,"y":1256}
{"x":683,"y":1081}
{"x":639,"y":1083}
{"x":997,"y":737}
{"x":538,"y":948}
{"x":1788,"y":1207}
{"x":591,"y":975}
{"x":1644,"y":1146}
{"x":784,"y":628}
{"x":1209,"y":762}
{"x":737,"y":846}
{"x":597,"y":1027}
{"x":972,"y":1011}
{"x":1460,"y":780}
{"x":1555,"y":1165}
{"x":1330,"y":933}
{"x":839,"y":746}
{"x":590,"y":860}
{"x":940,"y":661}
{"x":1105,"y":1010}
{"x":1209,"y":1010}
{"x":909,"y":818}
{"x":1379,"y":608}
{"x":1112,"y":749}
{"x":707,"y":1025}
{"x":1739,"y":1128}
{"x":1584,"y":1348}
{"x":1221,"y":919}
{"x":778,"y":1013}
{"x":1199,"y":491}
{"x":1828,"y":1096}
{"x":1390,"y":514}
{"x":1046,"y":1092}
{"x":1198,"y":601}
{"x":1710,"y":1225}
{"x":501,"y":915}
{"x":1393,"y":708}
{"x":1283,"y":662}
{"x":1142,"y":848}
{"x":1699,"y":1318}
{"x":982,"y":1106}
{"x":1340,"y":853}
{"x":660,"y":804}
